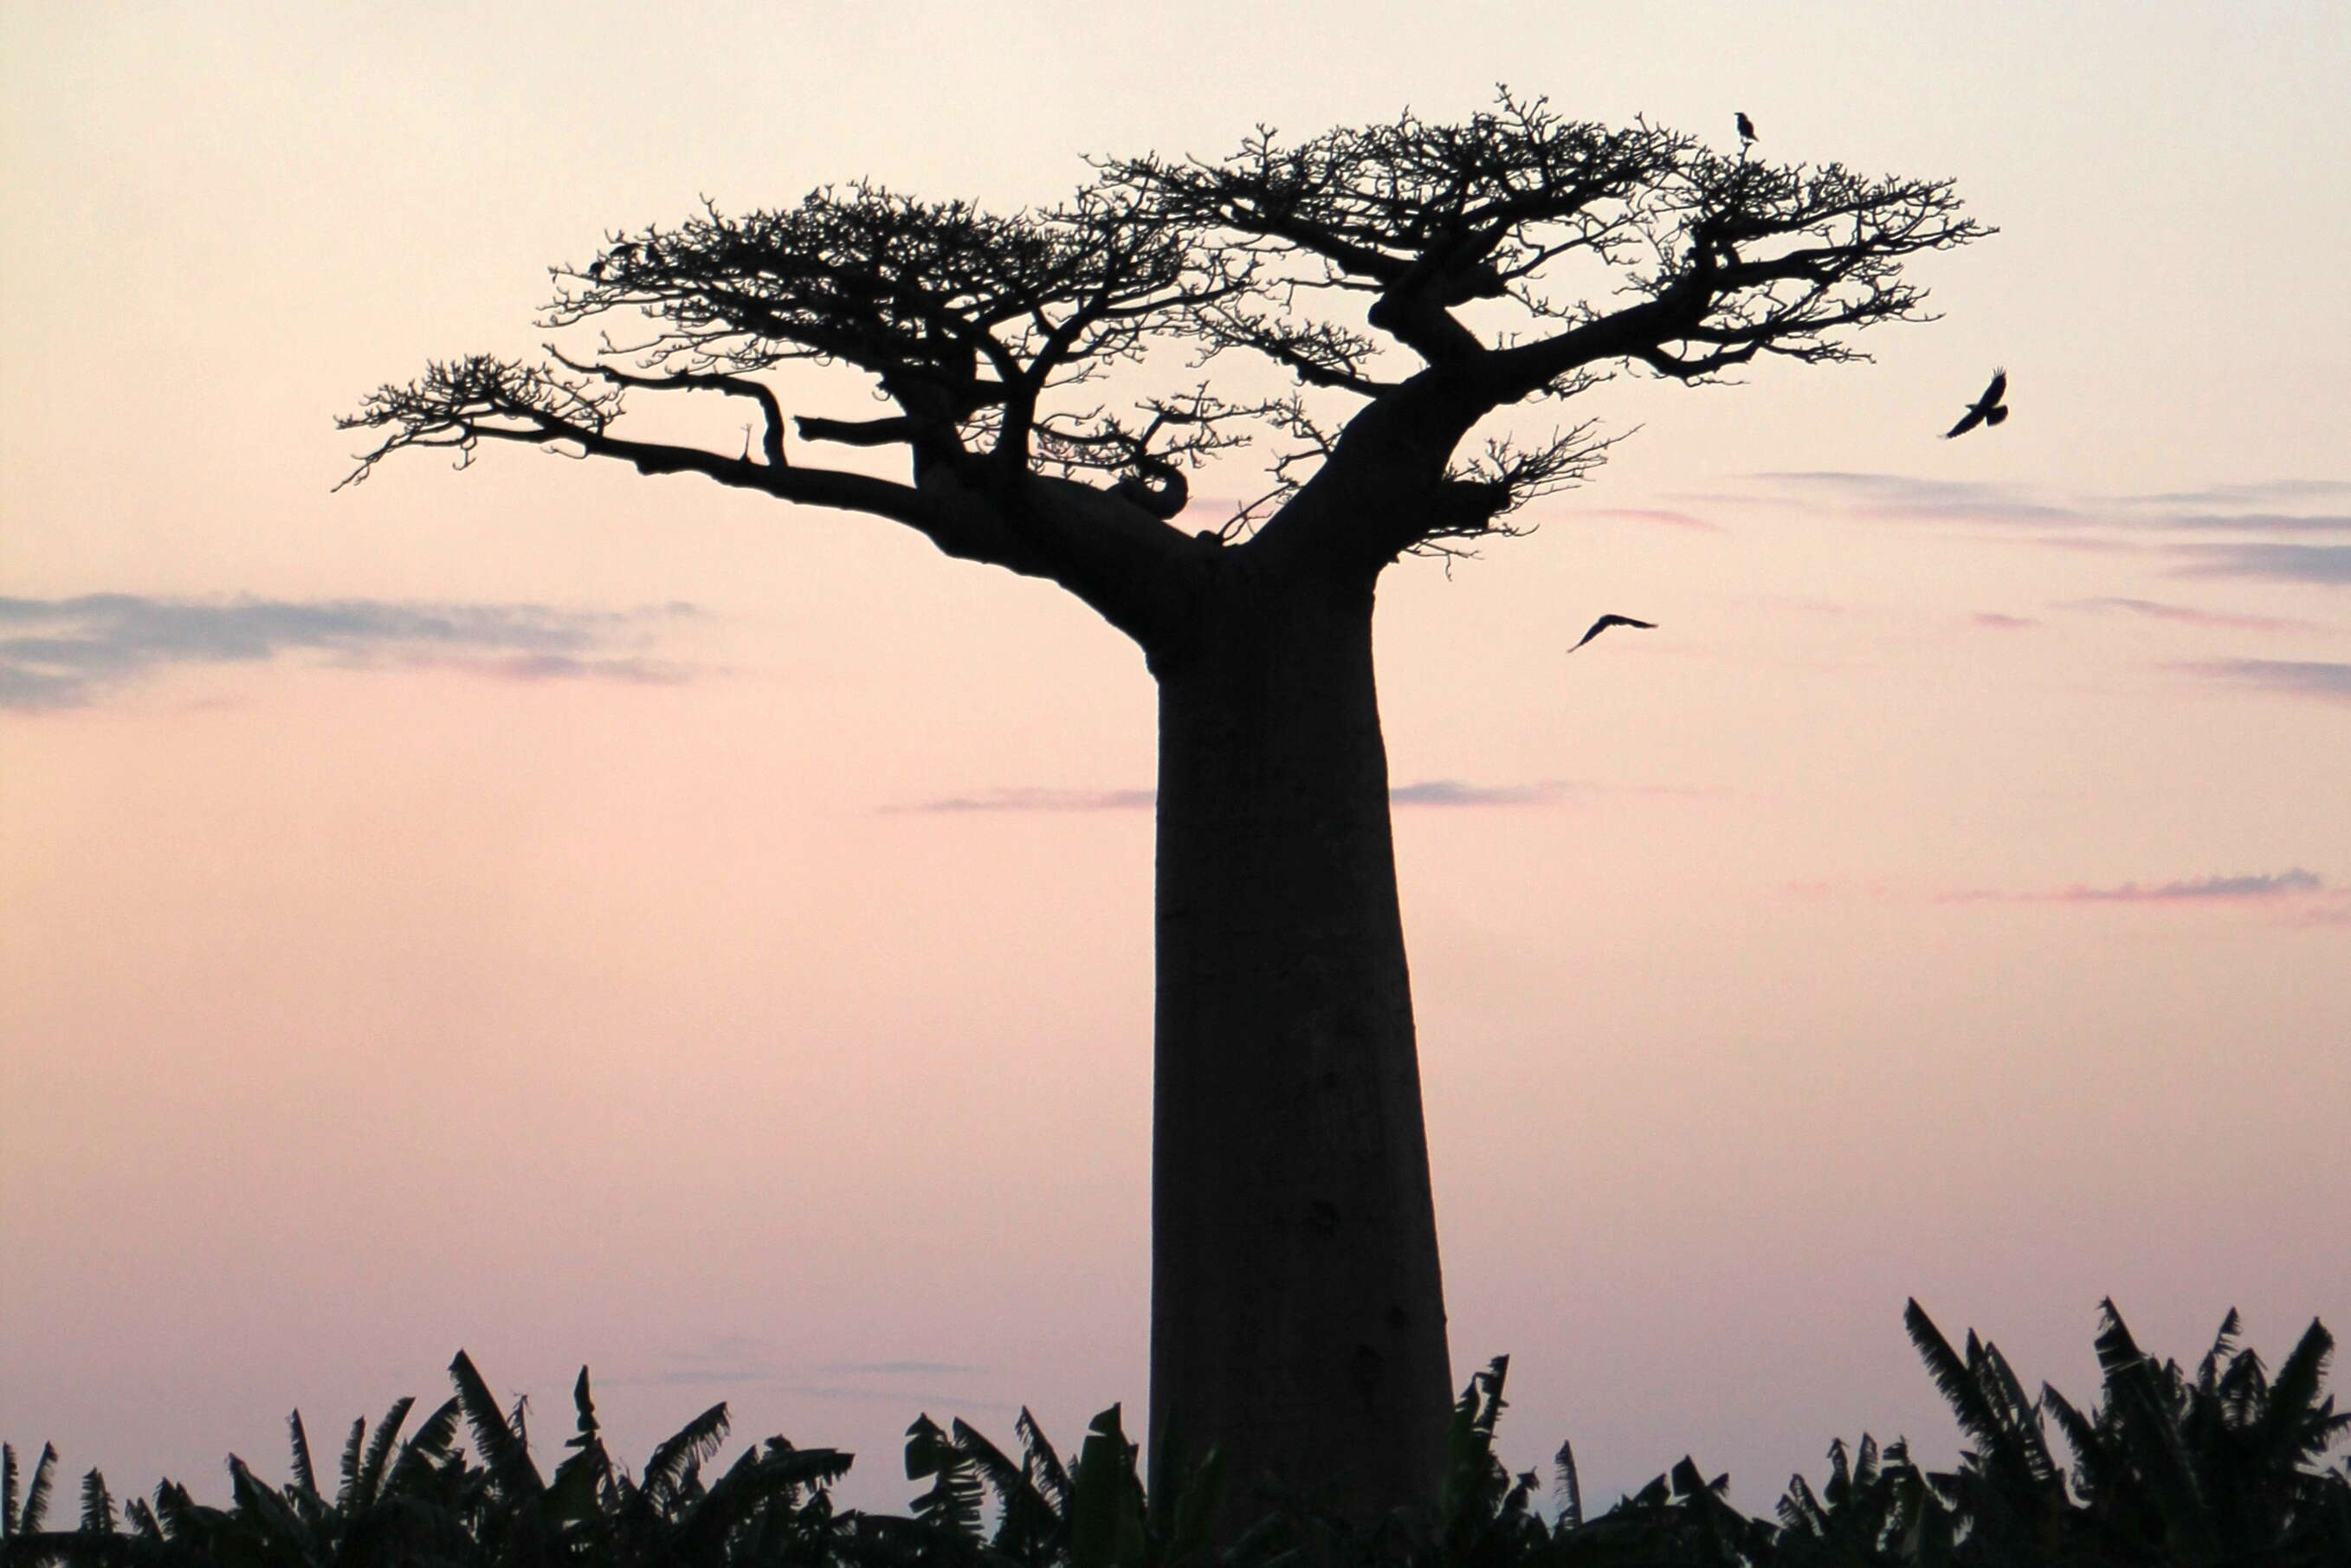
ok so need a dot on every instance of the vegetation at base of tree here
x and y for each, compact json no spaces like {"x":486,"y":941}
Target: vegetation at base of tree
{"x":2224,"y":1465}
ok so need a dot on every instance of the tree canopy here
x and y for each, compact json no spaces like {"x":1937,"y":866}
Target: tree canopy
{"x":1411,"y":278}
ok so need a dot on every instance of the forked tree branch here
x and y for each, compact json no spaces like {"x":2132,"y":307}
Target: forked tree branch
{"x":1106,"y":558}
{"x":1405,"y":266}
{"x":771,"y":434}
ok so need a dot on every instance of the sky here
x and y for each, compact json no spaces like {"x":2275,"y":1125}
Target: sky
{"x":585,"y":918}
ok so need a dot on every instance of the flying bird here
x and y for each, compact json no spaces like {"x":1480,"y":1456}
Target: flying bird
{"x":1745,"y":127}
{"x":1985,"y":410}
{"x":1605,"y":621}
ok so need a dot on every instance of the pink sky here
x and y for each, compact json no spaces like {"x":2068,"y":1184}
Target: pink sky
{"x":582,"y":917}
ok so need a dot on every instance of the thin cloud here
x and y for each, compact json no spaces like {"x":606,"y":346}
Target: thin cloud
{"x":2256,"y":494}
{"x":2247,"y":889}
{"x":2086,"y":544}
{"x":1925,"y":500}
{"x":2188,"y":615}
{"x":2319,"y":678}
{"x":1654,"y":515}
{"x":2252,"y":508}
{"x":2335,"y":909}
{"x":791,"y":1384}
{"x":1992,"y":621}
{"x":1427,"y":793}
{"x":1454,"y":792}
{"x":529,"y":668}
{"x":60,"y":653}
{"x":2275,"y":884}
{"x":2261,"y":522}
{"x":736,"y":1360}
{"x":1039,"y":800}
{"x":2326,"y":565}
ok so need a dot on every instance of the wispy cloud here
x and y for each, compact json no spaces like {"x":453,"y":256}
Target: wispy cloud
{"x":1454,"y":792}
{"x":2261,"y":492}
{"x":70,"y":653}
{"x":2188,"y":615}
{"x":2319,"y":678}
{"x":2328,"y":565}
{"x":2160,"y":527}
{"x":529,"y":667}
{"x":1658,"y":516}
{"x":2260,"y":522}
{"x":1907,"y":497}
{"x":2257,"y":888}
{"x":2253,"y":508}
{"x":2272,"y":884}
{"x":734,"y":1361}
{"x":1032,"y":799}
{"x":1427,"y":793}
{"x":2087,"y":544}
{"x":1992,"y":621}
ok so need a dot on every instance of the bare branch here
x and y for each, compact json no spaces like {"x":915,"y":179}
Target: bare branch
{"x":1319,"y":353}
{"x":1290,"y":470}
{"x":458,"y":403}
{"x":1181,"y":432}
{"x":897,"y":431}
{"x":771,"y":438}
{"x":1524,"y":474}
{"x":1426,"y":216}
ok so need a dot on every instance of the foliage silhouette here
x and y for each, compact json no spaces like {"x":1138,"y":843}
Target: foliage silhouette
{"x":2170,"y":1470}
{"x":436,"y":1505}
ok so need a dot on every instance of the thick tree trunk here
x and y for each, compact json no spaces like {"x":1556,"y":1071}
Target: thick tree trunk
{"x":1297,"y":1310}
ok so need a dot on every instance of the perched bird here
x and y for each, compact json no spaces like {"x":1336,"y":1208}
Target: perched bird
{"x":1985,"y":410}
{"x":1745,"y":127}
{"x":1605,"y":621}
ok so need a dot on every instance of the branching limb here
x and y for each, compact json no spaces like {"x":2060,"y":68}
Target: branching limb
{"x":895,"y":431}
{"x":771,"y":435}
{"x":1289,"y":469}
{"x":1753,"y":258}
{"x":1426,"y":217}
{"x":1319,"y":353}
{"x":1114,"y":554}
{"x":1523,"y":473}
{"x":457,"y":403}
{"x":1180,"y":433}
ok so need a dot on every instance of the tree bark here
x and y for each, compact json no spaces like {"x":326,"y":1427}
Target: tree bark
{"x":1297,"y":1307}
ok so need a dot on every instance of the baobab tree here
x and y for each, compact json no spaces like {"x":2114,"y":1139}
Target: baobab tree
{"x":1410,"y":281}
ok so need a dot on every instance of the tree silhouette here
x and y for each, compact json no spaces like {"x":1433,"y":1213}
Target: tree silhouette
{"x":1412,"y":279}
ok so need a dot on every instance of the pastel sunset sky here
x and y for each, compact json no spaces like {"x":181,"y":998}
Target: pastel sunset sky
{"x":584,"y":917}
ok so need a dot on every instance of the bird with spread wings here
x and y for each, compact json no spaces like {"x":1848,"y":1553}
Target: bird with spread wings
{"x":1605,"y":621}
{"x":1985,"y":410}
